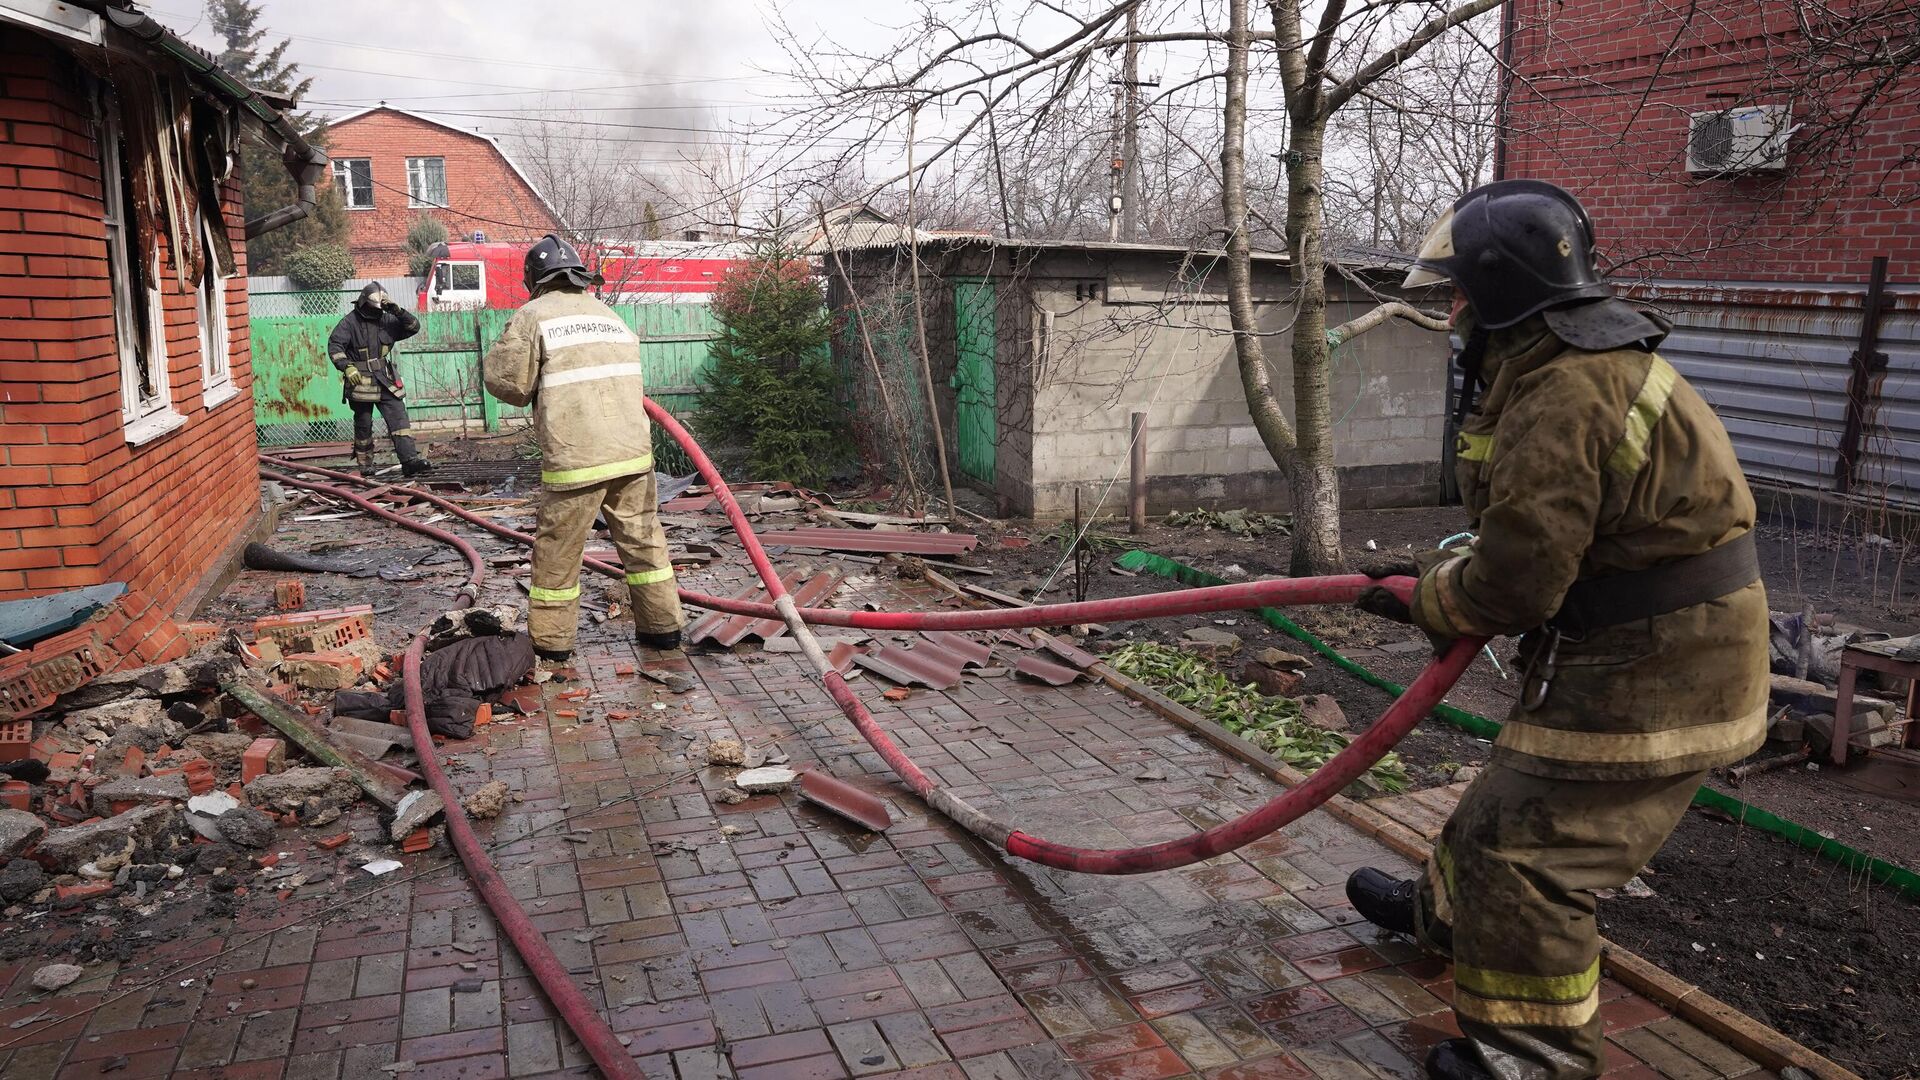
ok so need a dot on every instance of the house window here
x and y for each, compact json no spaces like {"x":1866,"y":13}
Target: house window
{"x":426,"y":181}
{"x":146,"y":401}
{"x":354,"y":178}
{"x":210,"y":302}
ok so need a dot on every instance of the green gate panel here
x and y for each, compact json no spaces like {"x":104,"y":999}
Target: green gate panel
{"x":296,"y":391}
{"x":976,"y":428}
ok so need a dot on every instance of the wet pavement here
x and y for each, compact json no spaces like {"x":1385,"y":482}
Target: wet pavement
{"x":767,"y":938}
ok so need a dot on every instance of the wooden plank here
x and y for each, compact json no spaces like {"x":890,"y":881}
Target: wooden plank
{"x":373,"y":780}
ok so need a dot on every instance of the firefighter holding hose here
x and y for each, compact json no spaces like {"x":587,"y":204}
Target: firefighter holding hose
{"x":1615,"y":532}
{"x":578,"y":364}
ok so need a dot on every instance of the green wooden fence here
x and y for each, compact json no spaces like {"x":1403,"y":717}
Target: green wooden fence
{"x":296,"y":391}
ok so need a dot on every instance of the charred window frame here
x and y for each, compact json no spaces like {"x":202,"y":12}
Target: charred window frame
{"x":146,"y":398}
{"x":210,"y":305}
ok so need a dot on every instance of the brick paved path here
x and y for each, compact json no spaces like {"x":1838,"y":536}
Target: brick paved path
{"x":768,"y":939}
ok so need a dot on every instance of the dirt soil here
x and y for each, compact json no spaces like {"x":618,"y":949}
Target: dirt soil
{"x":1840,"y":957}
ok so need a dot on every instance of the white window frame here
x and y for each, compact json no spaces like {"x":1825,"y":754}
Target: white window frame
{"x":144,"y":417}
{"x":343,"y":180}
{"x":210,"y":307}
{"x":417,"y":186}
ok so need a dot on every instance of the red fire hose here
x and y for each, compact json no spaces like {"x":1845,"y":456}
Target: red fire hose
{"x":601,"y":1044}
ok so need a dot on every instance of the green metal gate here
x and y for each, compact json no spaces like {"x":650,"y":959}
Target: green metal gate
{"x":296,"y":391}
{"x":976,"y":430}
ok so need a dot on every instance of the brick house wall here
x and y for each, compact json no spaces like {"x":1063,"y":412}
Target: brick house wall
{"x":79,"y":505}
{"x":1599,"y":104}
{"x":483,"y":190}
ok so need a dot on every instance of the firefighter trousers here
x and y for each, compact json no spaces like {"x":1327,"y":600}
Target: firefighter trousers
{"x":1508,"y":895}
{"x":399,"y":428}
{"x":631,"y":506}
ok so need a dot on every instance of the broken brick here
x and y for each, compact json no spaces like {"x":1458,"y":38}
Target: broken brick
{"x":573,"y":695}
{"x":16,"y":740}
{"x":483,"y":715}
{"x":81,"y":892}
{"x":417,"y":841}
{"x":566,"y":714}
{"x":262,"y":756}
{"x":623,"y":669}
{"x":290,"y":594}
{"x":335,"y":669}
{"x":16,"y":794}
{"x":268,"y":861}
{"x":329,"y":843}
{"x":898,"y":693}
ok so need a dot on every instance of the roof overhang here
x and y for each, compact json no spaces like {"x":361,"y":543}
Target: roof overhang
{"x":55,"y":18}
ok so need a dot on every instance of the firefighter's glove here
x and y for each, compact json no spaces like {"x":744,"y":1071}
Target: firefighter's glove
{"x":1379,"y":600}
{"x":352,"y":375}
{"x":390,"y":307}
{"x":1386,"y":566}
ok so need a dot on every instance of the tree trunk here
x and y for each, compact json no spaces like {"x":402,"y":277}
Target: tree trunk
{"x":1315,"y":483}
{"x":1268,"y":419}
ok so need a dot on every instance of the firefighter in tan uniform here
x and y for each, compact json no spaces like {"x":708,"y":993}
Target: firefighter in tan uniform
{"x":579,"y":365}
{"x":1614,"y":530}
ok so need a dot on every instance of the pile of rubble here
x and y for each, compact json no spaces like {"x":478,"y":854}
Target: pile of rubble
{"x":141,"y":779}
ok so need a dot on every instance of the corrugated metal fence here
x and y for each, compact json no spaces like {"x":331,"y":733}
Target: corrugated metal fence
{"x":276,"y":296}
{"x":296,"y":391}
{"x":1775,"y":363}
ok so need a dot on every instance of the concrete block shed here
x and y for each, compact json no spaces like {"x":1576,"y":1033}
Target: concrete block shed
{"x":1041,"y":350}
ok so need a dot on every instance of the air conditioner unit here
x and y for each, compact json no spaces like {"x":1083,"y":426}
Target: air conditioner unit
{"x":1749,"y":138}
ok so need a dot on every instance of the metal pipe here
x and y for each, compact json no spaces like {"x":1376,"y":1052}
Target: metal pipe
{"x":1137,"y":477}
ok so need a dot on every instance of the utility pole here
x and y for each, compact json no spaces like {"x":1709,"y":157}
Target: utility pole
{"x":1123,"y":207}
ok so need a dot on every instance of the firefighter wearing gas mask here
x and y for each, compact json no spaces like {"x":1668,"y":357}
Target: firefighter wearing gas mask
{"x":361,"y":347}
{"x":1614,"y":531}
{"x":578,"y":364}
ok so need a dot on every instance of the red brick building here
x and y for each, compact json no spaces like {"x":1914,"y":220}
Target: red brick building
{"x":126,"y":414}
{"x":1745,"y":164}
{"x":391,"y":166}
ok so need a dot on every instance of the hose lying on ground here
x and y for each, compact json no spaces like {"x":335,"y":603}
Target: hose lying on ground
{"x":1342,"y":769}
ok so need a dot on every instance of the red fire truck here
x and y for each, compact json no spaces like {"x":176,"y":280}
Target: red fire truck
{"x":486,"y":274}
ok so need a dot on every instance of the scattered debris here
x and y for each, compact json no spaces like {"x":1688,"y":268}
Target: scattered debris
{"x":488,"y":801}
{"x":54,"y":977}
{"x":1238,"y":522}
{"x":413,"y":812}
{"x":243,"y":826}
{"x":726,"y":752}
{"x":381,"y":866}
{"x":764,"y":780}
{"x":19,"y":831}
{"x":1211,"y":642}
{"x":1323,"y":712}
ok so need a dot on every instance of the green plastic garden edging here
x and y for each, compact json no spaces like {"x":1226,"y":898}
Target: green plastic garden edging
{"x":1902,"y":880}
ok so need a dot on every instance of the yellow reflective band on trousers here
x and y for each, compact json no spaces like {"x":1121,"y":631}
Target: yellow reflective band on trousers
{"x":1631,"y":747}
{"x":1503,"y":997}
{"x":554,"y":596}
{"x":649,"y":577}
{"x":595,"y":473}
{"x":1648,"y":406}
{"x":1473,"y":447}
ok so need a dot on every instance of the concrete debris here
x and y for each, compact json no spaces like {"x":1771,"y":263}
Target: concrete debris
{"x":224,"y":749}
{"x":414,"y":812}
{"x":1216,"y":643}
{"x":97,"y":725}
{"x":117,"y":795}
{"x":764,"y":780}
{"x":20,"y":879}
{"x":200,"y":671}
{"x":57,"y":976}
{"x":726,"y":752}
{"x":19,"y":831}
{"x":286,"y":791}
{"x":203,"y":813}
{"x":335,"y":669}
{"x":1322,"y":712}
{"x":731,"y":796}
{"x":66,"y":850}
{"x":243,"y":826}
{"x":486,"y":803}
{"x":1280,"y":658}
{"x":1466,"y":774}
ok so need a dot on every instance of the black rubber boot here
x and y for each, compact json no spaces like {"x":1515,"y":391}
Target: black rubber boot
{"x":666,"y":642}
{"x":1383,"y":900}
{"x":554,"y":656}
{"x":415,"y":467}
{"x":1456,"y":1059}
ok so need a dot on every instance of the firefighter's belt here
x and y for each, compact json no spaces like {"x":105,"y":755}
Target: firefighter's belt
{"x":1595,"y":603}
